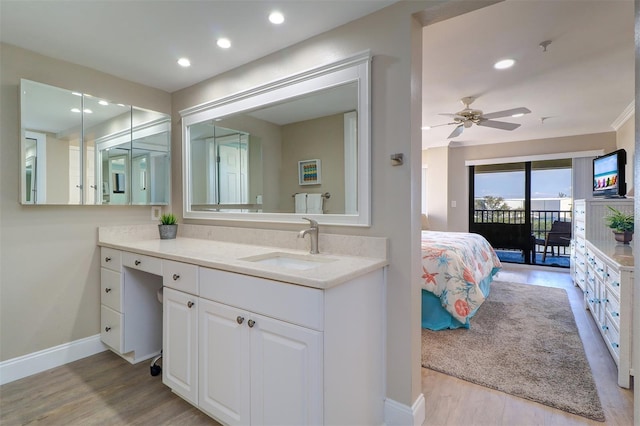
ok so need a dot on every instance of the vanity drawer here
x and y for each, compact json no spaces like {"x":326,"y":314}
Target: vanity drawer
{"x":288,"y":302}
{"x":111,"y":289}
{"x":111,"y":332}
{"x":110,"y":259}
{"x":180,"y":276}
{"x":152,"y":265}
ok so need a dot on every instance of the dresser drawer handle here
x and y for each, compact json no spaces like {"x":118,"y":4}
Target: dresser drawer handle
{"x":604,"y":327}
{"x":107,"y":259}
{"x":107,"y":290}
{"x":615,"y":314}
{"x":107,"y":329}
{"x":137,"y":262}
{"x":176,"y":277}
{"x":239,"y":319}
{"x":615,"y":345}
{"x":251,"y":323}
{"x":190,"y":304}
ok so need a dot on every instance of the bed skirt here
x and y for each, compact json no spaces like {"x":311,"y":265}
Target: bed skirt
{"x":435,"y":317}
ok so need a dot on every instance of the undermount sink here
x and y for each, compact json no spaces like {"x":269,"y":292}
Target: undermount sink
{"x":288,"y":260}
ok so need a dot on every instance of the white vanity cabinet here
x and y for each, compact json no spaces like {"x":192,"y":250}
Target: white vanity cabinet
{"x":256,"y":369}
{"x":180,"y":329}
{"x":130,"y":312}
{"x":249,"y":350}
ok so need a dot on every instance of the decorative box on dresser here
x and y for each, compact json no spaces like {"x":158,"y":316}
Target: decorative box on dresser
{"x":603,"y":269}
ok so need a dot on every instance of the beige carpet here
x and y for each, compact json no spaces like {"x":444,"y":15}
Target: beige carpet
{"x":523,"y":341}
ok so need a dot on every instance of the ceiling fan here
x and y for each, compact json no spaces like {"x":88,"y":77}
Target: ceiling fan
{"x":468,"y":116}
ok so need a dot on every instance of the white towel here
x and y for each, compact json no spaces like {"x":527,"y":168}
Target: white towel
{"x":314,"y":204}
{"x":301,"y":202}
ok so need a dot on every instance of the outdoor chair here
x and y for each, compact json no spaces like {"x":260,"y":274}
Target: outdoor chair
{"x":558,"y":236}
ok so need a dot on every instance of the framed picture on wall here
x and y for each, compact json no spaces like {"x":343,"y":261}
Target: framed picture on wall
{"x":309,"y":172}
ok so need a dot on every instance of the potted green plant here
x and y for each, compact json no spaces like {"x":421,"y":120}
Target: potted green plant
{"x":621,"y":224}
{"x":168,"y":226}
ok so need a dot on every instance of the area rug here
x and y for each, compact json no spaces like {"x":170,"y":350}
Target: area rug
{"x":523,"y":341}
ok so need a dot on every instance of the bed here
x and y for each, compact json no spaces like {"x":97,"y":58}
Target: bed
{"x":458,"y":269}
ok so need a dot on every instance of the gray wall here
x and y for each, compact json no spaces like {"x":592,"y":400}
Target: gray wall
{"x":49,"y":263}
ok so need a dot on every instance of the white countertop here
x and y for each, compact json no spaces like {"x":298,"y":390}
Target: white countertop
{"x":620,"y":253}
{"x":227,"y":256}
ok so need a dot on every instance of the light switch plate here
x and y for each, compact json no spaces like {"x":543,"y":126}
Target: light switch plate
{"x":156,"y":212}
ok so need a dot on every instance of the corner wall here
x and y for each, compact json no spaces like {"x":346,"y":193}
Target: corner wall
{"x":49,"y":261}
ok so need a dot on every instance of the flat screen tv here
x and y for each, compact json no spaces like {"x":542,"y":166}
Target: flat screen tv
{"x":608,"y":175}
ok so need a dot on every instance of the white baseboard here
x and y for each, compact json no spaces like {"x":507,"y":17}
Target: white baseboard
{"x":36,"y":362}
{"x":396,"y":414}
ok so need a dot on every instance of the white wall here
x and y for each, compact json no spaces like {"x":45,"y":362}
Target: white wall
{"x":456,"y":218}
{"x":49,"y":263}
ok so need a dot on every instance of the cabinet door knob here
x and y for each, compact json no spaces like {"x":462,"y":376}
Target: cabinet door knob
{"x":107,"y":290}
{"x":251,"y":323}
{"x":107,"y":328}
{"x":190,"y":304}
{"x":176,"y":277}
{"x":239,"y":319}
{"x":107,"y":259}
{"x":137,"y":262}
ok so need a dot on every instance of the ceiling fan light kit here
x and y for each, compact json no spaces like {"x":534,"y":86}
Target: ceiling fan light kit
{"x":468,"y":116}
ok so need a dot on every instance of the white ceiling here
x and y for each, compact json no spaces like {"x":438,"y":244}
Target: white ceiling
{"x":580,"y":85}
{"x":141,"y":40}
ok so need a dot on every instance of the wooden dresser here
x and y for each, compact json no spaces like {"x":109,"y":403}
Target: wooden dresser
{"x":603,"y":269}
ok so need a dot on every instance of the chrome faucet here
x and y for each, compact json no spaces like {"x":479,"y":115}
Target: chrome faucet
{"x":313,"y":233}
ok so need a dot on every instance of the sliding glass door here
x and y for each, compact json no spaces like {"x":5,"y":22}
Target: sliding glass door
{"x":515,"y":206}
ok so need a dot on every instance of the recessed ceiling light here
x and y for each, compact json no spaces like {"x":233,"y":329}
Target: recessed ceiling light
{"x":76,"y":93}
{"x":276,"y":18}
{"x":75,"y":109}
{"x":224,"y":43}
{"x":103,"y":102}
{"x":504,"y":64}
{"x":426,"y":128}
{"x":184,"y":62}
{"x":517,"y":115}
{"x":87,"y":111}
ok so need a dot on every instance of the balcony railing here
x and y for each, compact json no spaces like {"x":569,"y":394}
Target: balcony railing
{"x":541,"y":221}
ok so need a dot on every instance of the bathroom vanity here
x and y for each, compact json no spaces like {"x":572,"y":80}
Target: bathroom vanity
{"x":252,"y":333}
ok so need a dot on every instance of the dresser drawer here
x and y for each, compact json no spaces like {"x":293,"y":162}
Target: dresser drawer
{"x":612,"y":338}
{"x":612,"y":306}
{"x":152,"y":265}
{"x":287,"y":302}
{"x":612,"y":281}
{"x":111,"y":289}
{"x":180,"y":276}
{"x":111,"y":331}
{"x":110,"y":259}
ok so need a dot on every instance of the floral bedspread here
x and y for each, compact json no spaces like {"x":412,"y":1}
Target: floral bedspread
{"x":454,"y":265}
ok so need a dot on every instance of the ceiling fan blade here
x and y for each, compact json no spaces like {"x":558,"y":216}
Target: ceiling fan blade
{"x":502,"y":125}
{"x":454,"y":116}
{"x":444,"y":124}
{"x":506,"y":113}
{"x":456,"y":132}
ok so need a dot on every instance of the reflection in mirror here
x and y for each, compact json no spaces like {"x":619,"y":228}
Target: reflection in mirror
{"x":293,"y":148}
{"x":74,"y":144}
{"x":51,"y":132}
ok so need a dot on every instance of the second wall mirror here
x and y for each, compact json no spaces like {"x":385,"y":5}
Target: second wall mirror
{"x":80,"y":149}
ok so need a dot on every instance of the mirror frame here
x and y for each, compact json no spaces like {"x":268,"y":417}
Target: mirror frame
{"x":356,"y":68}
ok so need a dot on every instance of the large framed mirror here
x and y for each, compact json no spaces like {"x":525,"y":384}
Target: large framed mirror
{"x":81,"y":149}
{"x":298,"y":147}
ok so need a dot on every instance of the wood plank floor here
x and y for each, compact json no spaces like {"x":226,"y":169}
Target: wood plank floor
{"x":451,"y":401}
{"x":103,"y":389}
{"x":106,"y":390}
